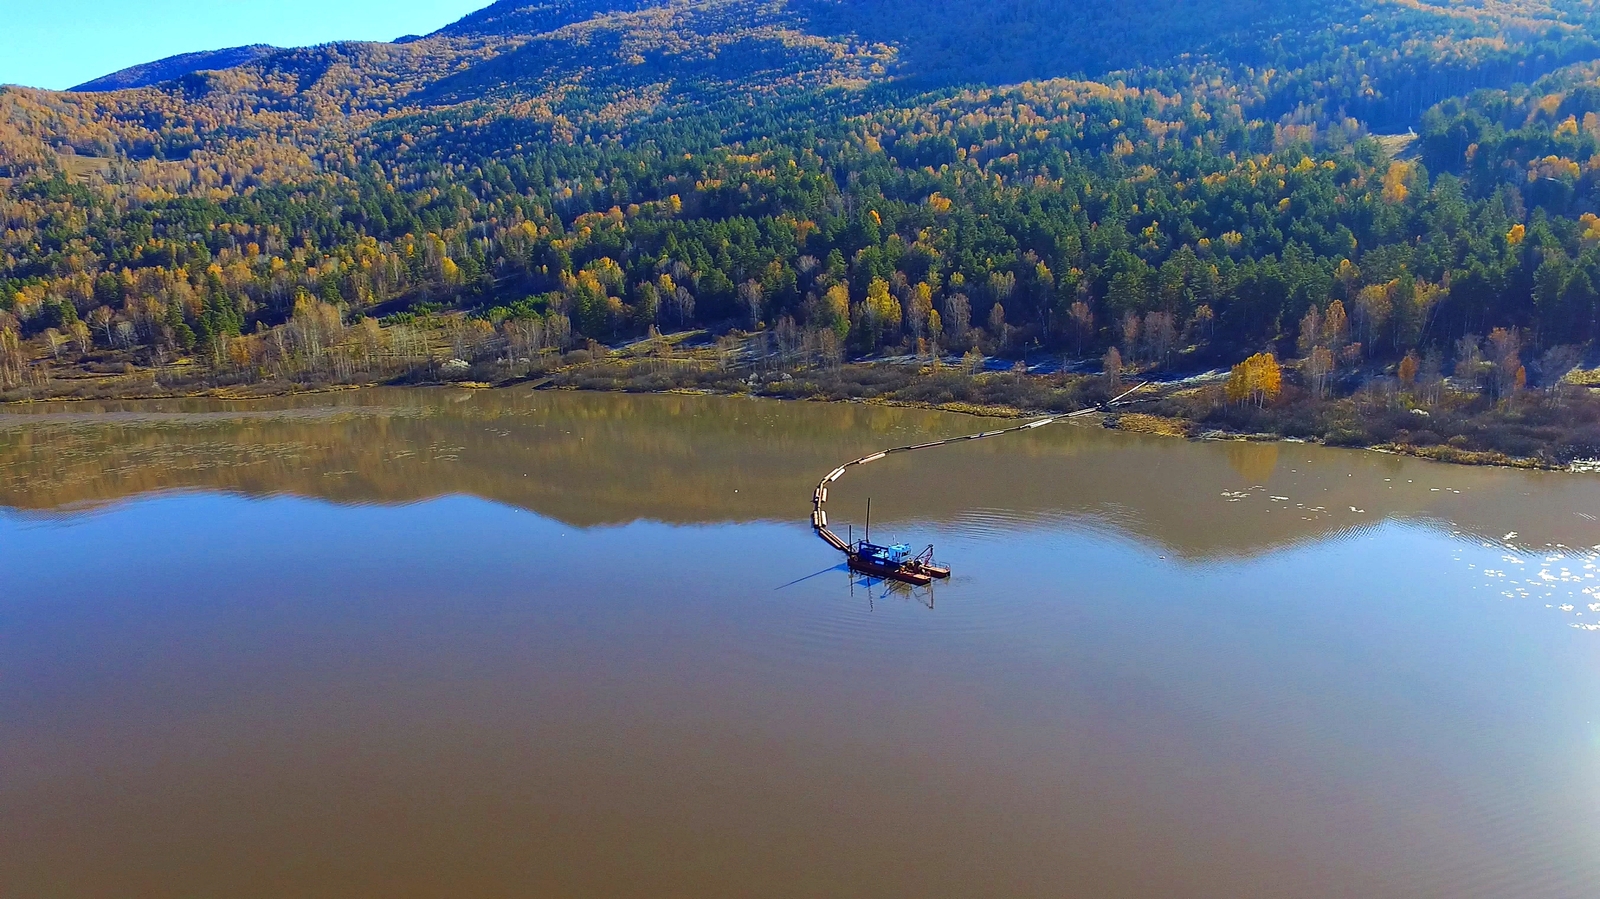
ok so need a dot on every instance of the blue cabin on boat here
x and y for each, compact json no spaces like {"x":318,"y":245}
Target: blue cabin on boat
{"x":887,"y":556}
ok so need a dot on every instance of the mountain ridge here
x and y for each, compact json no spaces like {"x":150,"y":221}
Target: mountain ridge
{"x":574,"y":70}
{"x":943,"y":57}
{"x":173,"y":67}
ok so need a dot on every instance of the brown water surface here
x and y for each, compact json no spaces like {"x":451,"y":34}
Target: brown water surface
{"x":442,"y":643}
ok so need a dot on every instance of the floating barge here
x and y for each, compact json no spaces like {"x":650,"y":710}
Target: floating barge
{"x":896,"y":563}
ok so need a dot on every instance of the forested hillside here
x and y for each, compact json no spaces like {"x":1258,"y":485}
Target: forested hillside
{"x":1186,"y":181}
{"x":174,"y":67}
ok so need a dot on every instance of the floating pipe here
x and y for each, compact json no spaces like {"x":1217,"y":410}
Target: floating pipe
{"x":819,"y":517}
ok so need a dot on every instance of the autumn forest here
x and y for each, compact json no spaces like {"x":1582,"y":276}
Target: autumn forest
{"x":1364,"y":216}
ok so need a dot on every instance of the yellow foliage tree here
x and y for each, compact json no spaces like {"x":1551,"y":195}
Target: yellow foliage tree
{"x":882,"y":310}
{"x":1335,"y":326}
{"x":837,"y":303}
{"x":921,"y":309}
{"x":1257,"y":379}
{"x":1394,"y":182}
{"x":1349,"y":276}
{"x":1408,"y":370}
{"x":1590,"y":224}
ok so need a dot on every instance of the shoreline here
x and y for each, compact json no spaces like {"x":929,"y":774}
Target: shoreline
{"x":1131,"y":421}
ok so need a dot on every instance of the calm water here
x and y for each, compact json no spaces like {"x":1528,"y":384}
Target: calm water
{"x":475,"y":644}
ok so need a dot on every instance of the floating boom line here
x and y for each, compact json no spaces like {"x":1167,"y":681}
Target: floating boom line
{"x":819,"y":499}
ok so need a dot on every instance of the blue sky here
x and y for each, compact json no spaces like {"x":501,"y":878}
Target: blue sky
{"x":60,"y":43}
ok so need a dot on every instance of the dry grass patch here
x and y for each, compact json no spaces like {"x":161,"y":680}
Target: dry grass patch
{"x":1150,"y":424}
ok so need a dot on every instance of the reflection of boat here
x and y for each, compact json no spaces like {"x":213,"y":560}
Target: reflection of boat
{"x":896,"y":563}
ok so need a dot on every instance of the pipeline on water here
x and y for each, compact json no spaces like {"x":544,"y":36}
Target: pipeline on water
{"x":819,"y":499}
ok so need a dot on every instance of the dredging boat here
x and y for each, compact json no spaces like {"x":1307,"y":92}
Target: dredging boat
{"x":896,"y":563}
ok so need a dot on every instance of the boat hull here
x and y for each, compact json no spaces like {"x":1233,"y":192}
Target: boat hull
{"x":904,"y":574}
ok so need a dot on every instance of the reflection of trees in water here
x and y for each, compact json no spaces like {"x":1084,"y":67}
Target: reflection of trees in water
{"x":583,"y":458}
{"x":1255,"y":462}
{"x":590,"y":459}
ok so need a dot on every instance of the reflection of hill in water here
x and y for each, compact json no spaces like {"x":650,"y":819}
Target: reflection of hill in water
{"x":592,"y":459}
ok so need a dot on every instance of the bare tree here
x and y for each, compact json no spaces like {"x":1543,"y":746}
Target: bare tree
{"x":1112,"y":366}
{"x":1082,"y":323}
{"x":102,"y":317}
{"x":1505,"y":352}
{"x":998,"y":329}
{"x":1430,"y":380}
{"x":751,"y":297}
{"x":1131,"y":326}
{"x":1470,"y":363}
{"x":957,"y":317}
{"x":1160,"y":333}
{"x":1554,"y":366}
{"x":1318,"y":366}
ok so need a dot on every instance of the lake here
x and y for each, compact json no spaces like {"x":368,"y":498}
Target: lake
{"x":508,"y":643}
